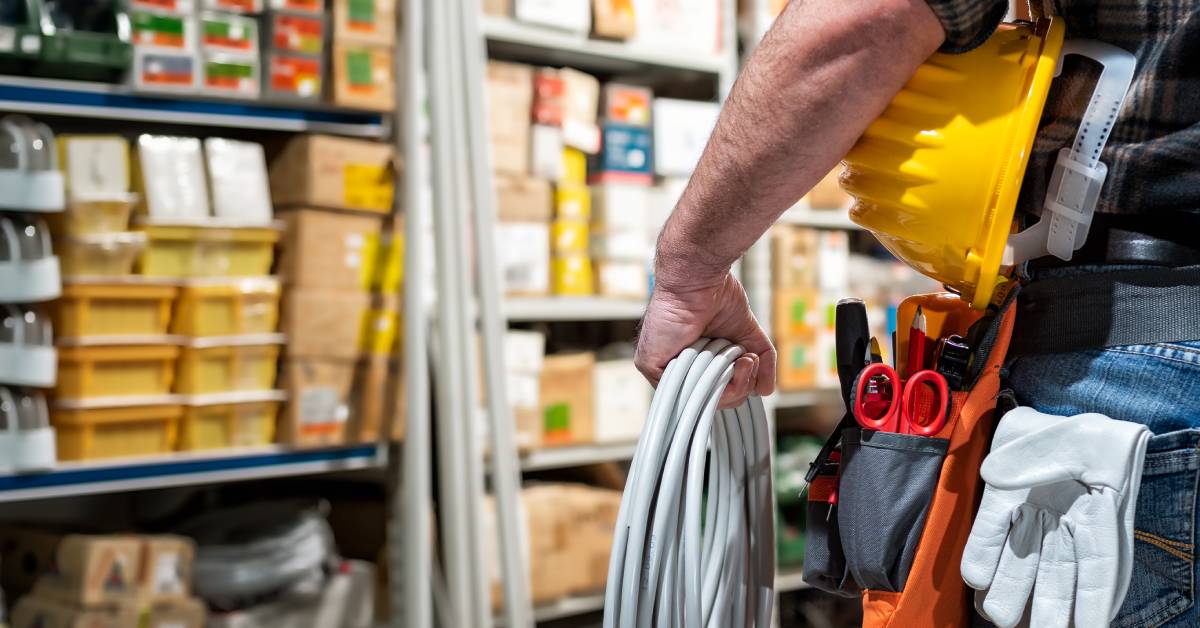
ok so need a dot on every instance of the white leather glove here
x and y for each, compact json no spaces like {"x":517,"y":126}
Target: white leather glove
{"x":1056,"y":520}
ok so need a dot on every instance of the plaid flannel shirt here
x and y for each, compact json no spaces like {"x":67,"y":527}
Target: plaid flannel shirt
{"x":1153,"y":154}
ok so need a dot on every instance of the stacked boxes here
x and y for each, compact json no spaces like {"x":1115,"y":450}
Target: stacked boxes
{"x":165,"y":45}
{"x":364,"y":39}
{"x":524,"y":358}
{"x":230,"y":49}
{"x":570,"y":234}
{"x":337,"y":195}
{"x":294,"y":50}
{"x":566,"y":398}
{"x":100,"y":580}
{"x":570,"y":531}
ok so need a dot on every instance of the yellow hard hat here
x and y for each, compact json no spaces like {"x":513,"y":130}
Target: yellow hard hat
{"x":936,"y":177}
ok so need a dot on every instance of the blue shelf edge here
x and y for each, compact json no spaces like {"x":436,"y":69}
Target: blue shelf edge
{"x":106,"y":472}
{"x":90,"y":97}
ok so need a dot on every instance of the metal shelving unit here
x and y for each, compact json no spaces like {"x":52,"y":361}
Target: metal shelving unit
{"x":69,"y":479}
{"x":805,"y":216}
{"x":806,"y":398}
{"x":106,"y":101}
{"x":576,"y":456}
{"x":571,"y":309}
{"x":550,"y":46}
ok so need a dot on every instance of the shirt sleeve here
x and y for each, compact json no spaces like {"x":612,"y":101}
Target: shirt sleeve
{"x":967,"y":22}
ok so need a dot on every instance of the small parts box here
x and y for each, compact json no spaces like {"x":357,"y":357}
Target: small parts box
{"x":208,"y":252}
{"x":246,"y":306}
{"x":113,"y":309}
{"x":216,"y":425}
{"x":115,"y":371}
{"x":87,"y":433}
{"x":218,"y":365}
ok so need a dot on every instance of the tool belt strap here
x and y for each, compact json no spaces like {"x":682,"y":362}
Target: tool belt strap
{"x":1108,"y":309}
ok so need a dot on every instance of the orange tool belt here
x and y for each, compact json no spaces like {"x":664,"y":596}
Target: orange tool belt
{"x":905,"y":504}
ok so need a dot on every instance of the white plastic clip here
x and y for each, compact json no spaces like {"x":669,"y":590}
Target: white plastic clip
{"x":1078,"y":173}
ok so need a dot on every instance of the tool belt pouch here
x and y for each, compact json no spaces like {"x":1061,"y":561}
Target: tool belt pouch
{"x":888,"y":481}
{"x":914,"y":508}
{"x":824,"y":560}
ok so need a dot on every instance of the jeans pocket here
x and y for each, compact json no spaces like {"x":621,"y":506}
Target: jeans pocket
{"x":824,"y":560}
{"x":888,"y":481}
{"x":1162,"y":587}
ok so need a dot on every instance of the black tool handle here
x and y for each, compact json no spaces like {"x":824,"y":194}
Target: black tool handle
{"x":853,"y":336}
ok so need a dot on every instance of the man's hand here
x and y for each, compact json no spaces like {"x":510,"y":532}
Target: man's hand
{"x":680,"y":315}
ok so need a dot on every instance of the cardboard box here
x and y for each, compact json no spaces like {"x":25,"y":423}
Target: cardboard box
{"x":622,"y":246}
{"x":293,"y":77}
{"x":625,"y":104}
{"x":571,"y":15}
{"x":625,"y":155}
{"x":621,"y":207}
{"x":681,"y":130}
{"x":523,"y":249}
{"x":323,"y":323}
{"x":662,"y":25}
{"x":833,"y":260}
{"x":549,"y":97}
{"x":614,"y":19}
{"x":318,"y":405}
{"x":231,"y":76}
{"x":828,"y":193}
{"x":569,"y":237}
{"x":571,"y":276}
{"x":797,"y":362}
{"x":324,"y":250}
{"x":573,"y":202}
{"x":566,"y":398}
{"x":369,"y":399}
{"x":546,"y":152}
{"x":499,"y":8}
{"x":166,"y":569}
{"x":622,"y":280}
{"x":524,"y":351}
{"x":581,"y":102}
{"x":621,"y":401}
{"x":295,"y":33}
{"x":523,"y":199}
{"x":93,"y":570}
{"x":574,"y":167}
{"x":37,"y":612}
{"x":794,"y":257}
{"x":509,"y":99}
{"x":372,"y":22}
{"x":381,"y":326}
{"x":364,"y":76}
{"x":524,"y":400}
{"x":185,"y":613}
{"x":797,"y":313}
{"x":334,"y":172}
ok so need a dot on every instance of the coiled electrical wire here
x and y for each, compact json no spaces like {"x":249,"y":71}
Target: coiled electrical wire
{"x":695,"y":539}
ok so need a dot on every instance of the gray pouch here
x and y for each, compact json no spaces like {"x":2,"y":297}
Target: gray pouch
{"x":824,"y":561}
{"x":888,"y":481}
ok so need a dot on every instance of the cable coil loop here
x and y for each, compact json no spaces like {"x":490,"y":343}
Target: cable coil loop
{"x":695,"y":539}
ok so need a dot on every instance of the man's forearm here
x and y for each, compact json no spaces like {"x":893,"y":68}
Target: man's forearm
{"x":826,"y":69}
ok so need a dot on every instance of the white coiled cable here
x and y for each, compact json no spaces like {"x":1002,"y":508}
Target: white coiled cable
{"x":671,"y":566}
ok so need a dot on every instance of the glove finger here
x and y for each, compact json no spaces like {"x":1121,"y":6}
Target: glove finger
{"x":1008,"y":595}
{"x":981,"y":555}
{"x":1055,"y":589}
{"x":1097,"y":554}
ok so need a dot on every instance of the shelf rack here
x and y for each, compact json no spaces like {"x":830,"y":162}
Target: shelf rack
{"x":549,"y":309}
{"x":105,"y":101}
{"x":186,"y":469}
{"x":576,"y":456}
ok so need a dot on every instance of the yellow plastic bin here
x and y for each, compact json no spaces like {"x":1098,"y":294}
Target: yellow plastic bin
{"x":226,"y":308}
{"x":225,"y":364}
{"x":115,"y":371}
{"x":100,"y":255}
{"x":178,"y":251}
{"x":89,"y":216}
{"x":85,"y":433}
{"x":222,"y":424}
{"x":113,"y":309}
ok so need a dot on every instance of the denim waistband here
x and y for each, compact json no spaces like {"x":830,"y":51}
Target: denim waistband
{"x":1174,"y":441}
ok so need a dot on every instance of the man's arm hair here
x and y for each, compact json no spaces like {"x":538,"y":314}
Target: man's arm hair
{"x":824,"y":71}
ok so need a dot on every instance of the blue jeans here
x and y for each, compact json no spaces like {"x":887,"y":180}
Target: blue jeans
{"x":1159,"y":386}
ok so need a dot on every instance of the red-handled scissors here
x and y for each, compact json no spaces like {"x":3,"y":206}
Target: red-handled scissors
{"x":905,"y":410}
